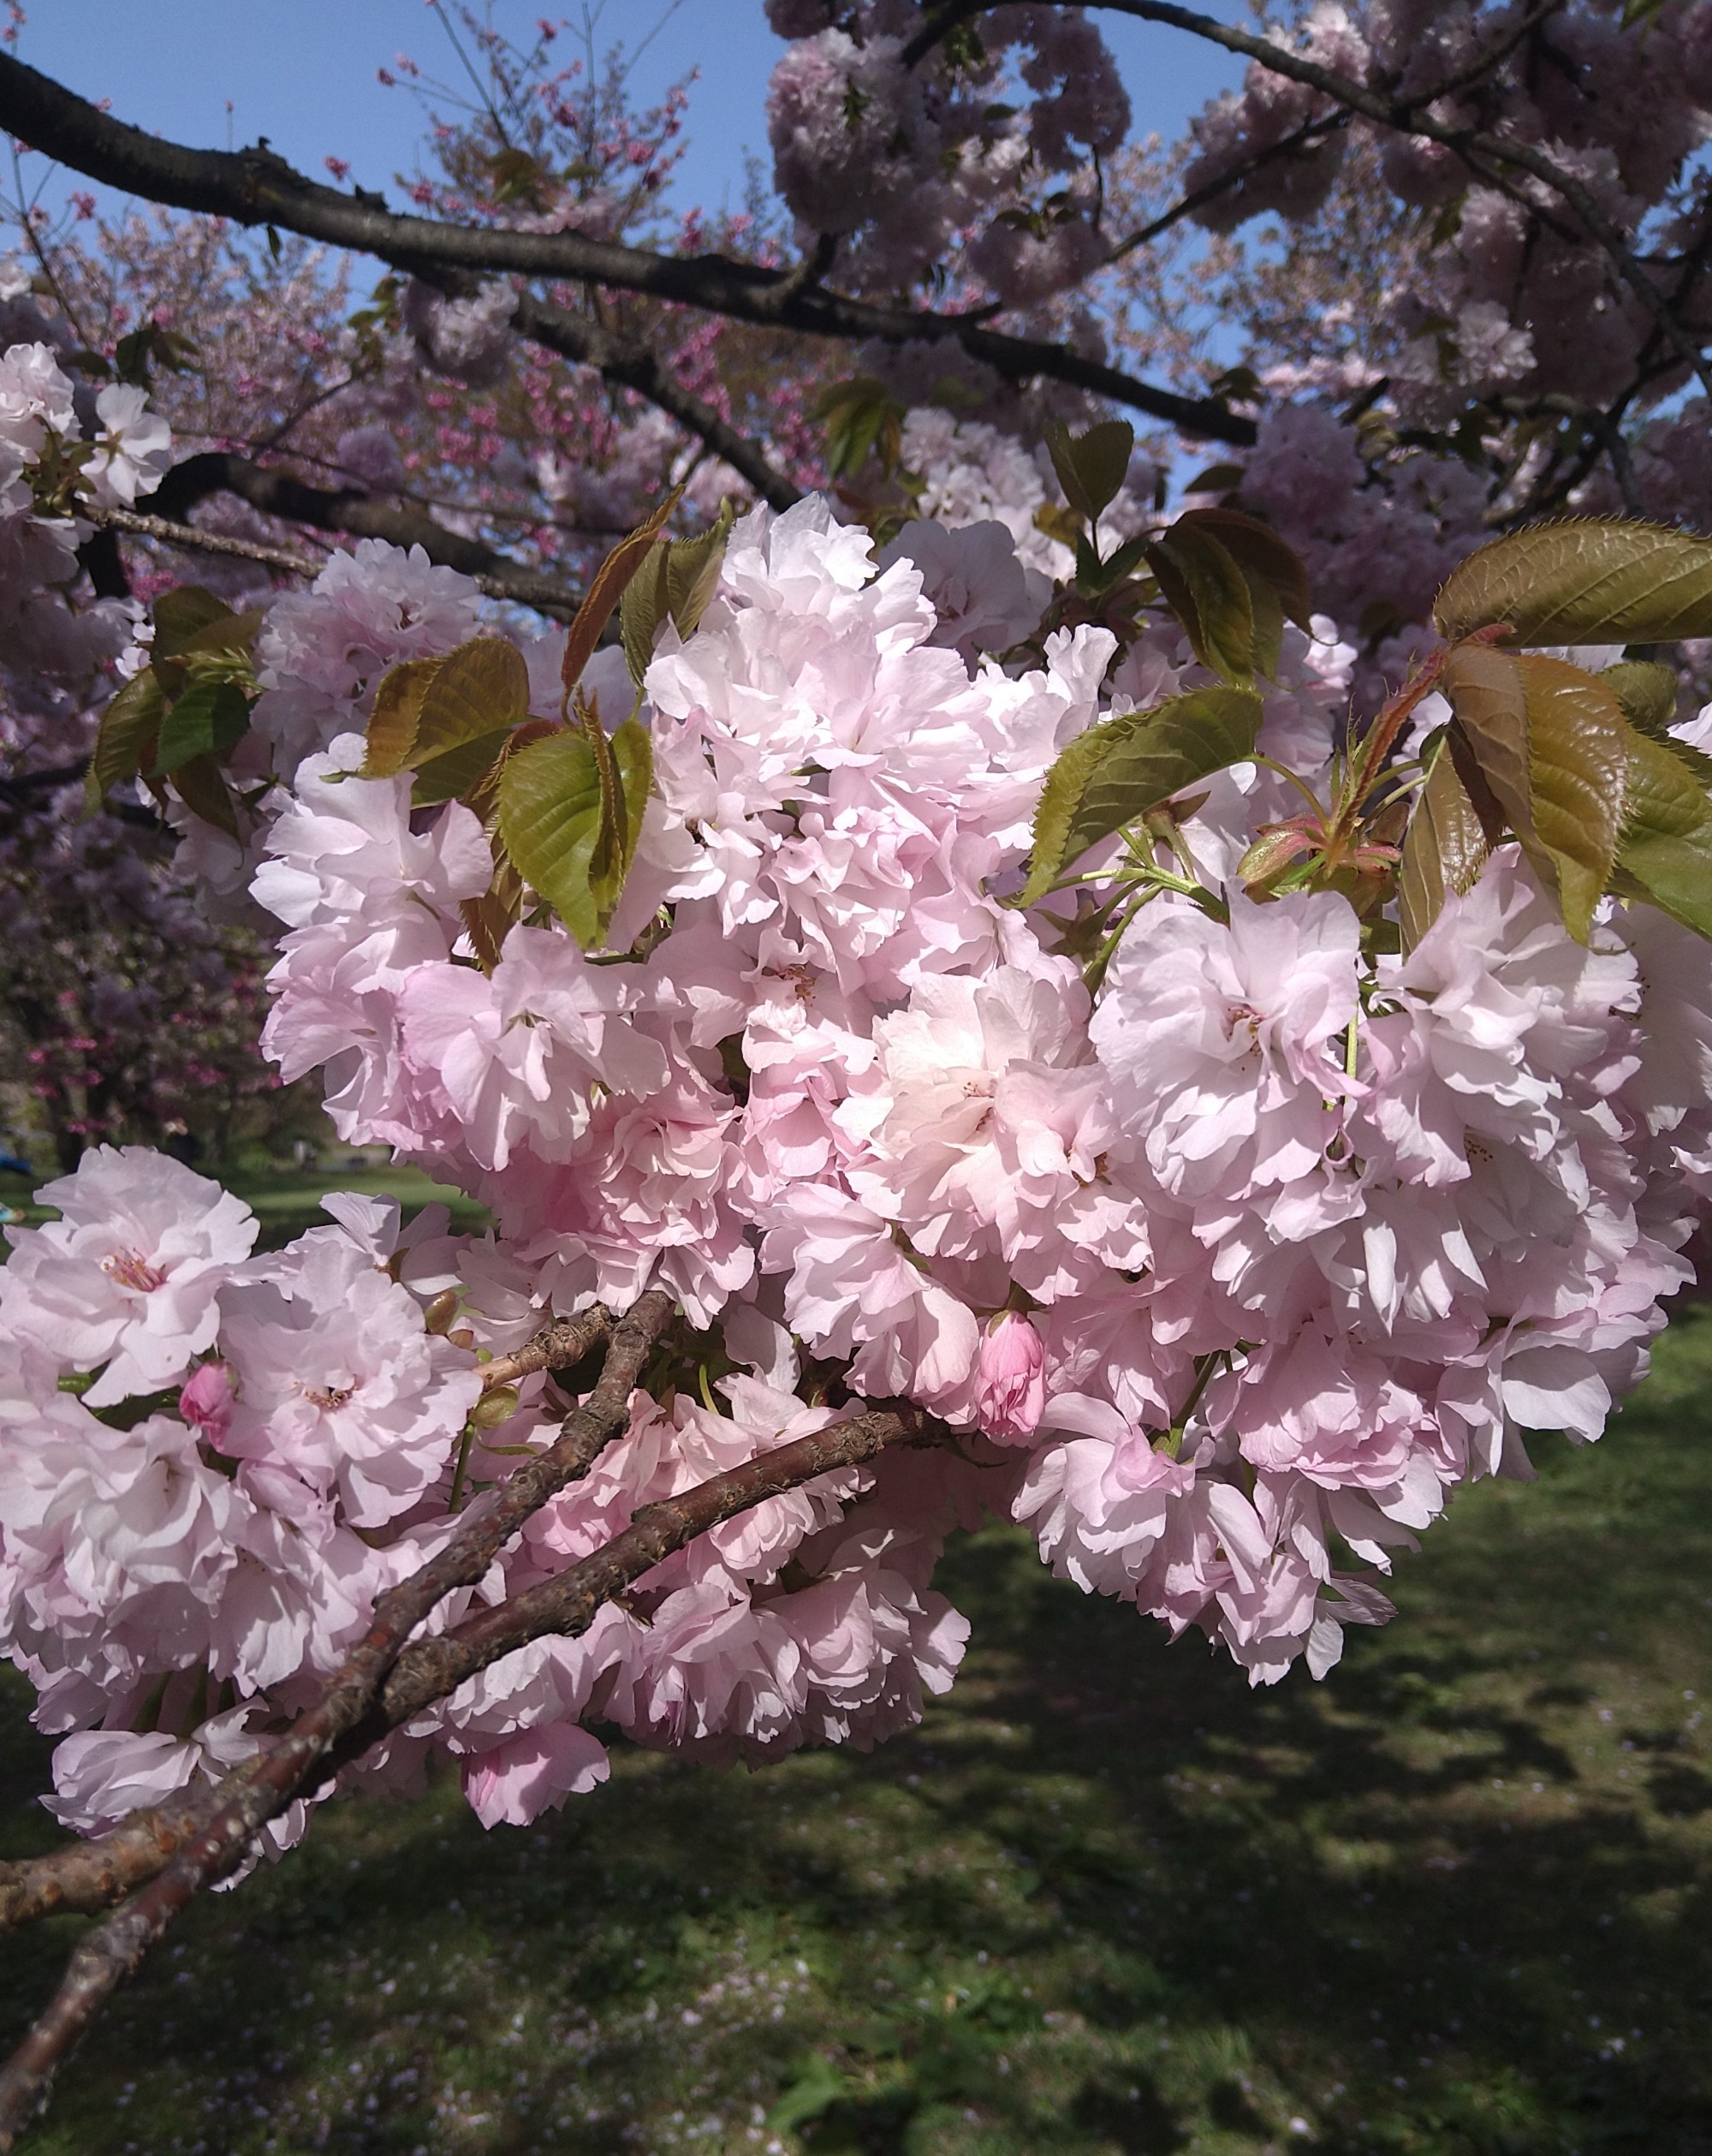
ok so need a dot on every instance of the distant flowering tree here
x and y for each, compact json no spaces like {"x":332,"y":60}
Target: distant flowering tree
{"x":1184,"y":1022}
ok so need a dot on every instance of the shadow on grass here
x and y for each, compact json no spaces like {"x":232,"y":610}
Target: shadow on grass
{"x":1106,"y":1899}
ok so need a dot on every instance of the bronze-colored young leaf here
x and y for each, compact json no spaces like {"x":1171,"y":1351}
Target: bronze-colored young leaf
{"x":1551,"y":743}
{"x":1647,"y":691}
{"x":1577,"y":754}
{"x":549,"y":824}
{"x":1596,"y":580}
{"x":480,"y":689}
{"x":397,"y":712}
{"x":675,"y":583}
{"x":1444,"y":848}
{"x":1112,"y":775}
{"x":1202,"y":584}
{"x":1092,"y":467}
{"x":459,"y":772}
{"x":124,"y":741}
{"x":607,"y":589}
{"x":1666,"y":847}
{"x":1258,"y":551}
{"x":227,"y":632}
{"x":211,"y":717}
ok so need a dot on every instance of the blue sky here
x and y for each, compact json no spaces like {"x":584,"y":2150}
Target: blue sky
{"x":303,"y":72}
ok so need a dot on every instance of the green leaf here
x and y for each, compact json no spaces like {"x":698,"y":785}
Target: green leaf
{"x":1595,"y":581}
{"x":1444,"y":848}
{"x":1112,"y":775}
{"x":210,"y":717}
{"x":1553,"y":744}
{"x":1260,"y":554}
{"x":632,"y":757}
{"x":459,"y":772}
{"x":815,"y":2086}
{"x":550,"y":823}
{"x":124,"y":741}
{"x":1091,"y":468}
{"x":179,"y":614}
{"x":230,"y":633}
{"x":1204,"y":585}
{"x":200,"y":784}
{"x":479,"y":688}
{"x":1666,"y":847}
{"x":675,"y":583}
{"x":397,"y":713}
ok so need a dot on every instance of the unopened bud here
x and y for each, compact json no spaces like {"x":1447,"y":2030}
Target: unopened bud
{"x":439,"y":1314}
{"x":495,"y":1407}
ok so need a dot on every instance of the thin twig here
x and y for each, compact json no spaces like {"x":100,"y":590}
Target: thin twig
{"x":421,"y":1675}
{"x":172,"y":534}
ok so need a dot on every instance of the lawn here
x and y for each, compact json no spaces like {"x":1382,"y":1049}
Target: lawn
{"x":1107,"y":1899}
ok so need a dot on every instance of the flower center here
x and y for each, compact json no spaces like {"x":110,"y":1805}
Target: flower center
{"x":132,"y":1270}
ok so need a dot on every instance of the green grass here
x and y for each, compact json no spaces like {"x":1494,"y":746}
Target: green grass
{"x":1107,"y":1899}
{"x":288,"y":1200}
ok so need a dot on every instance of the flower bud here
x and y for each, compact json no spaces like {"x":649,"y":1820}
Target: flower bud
{"x":206,"y":1402}
{"x":1010,"y":1385}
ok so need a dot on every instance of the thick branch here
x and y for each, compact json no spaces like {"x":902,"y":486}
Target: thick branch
{"x":255,"y":187}
{"x":428,"y":1672}
{"x":349,"y":510}
{"x":558,"y":1346}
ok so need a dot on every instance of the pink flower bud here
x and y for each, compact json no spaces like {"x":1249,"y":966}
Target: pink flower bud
{"x":1010,"y":1389}
{"x":207,"y":1400}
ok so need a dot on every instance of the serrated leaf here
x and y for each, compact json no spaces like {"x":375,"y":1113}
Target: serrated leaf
{"x":124,"y":740}
{"x":1112,"y":775}
{"x":179,"y":614}
{"x":607,"y":589}
{"x":200,"y":784}
{"x":230,"y":633}
{"x":1261,"y":554}
{"x":1204,"y":586}
{"x":675,"y":583}
{"x":1596,"y":581}
{"x":1092,"y":467}
{"x":1552,"y":742}
{"x":211,"y":717}
{"x":1444,"y":848}
{"x":459,"y":772}
{"x":397,"y":711}
{"x":550,"y":823}
{"x":1666,"y":846}
{"x":479,"y":688}
{"x":1647,"y":691}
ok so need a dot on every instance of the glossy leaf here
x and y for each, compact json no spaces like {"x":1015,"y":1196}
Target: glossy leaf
{"x":1666,"y":848}
{"x":632,"y":757}
{"x":1112,"y":775}
{"x":1552,"y":742}
{"x":459,"y":772}
{"x":1594,"y":582}
{"x":1204,"y":585}
{"x":1091,"y":468}
{"x":478,"y":689}
{"x":1443,"y":848}
{"x":211,"y":717}
{"x":607,"y":589}
{"x":1647,"y":692}
{"x":397,"y":711}
{"x":124,"y":743}
{"x":550,"y":823}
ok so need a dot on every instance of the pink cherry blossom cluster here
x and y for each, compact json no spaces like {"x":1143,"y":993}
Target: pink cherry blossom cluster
{"x":909,"y":165}
{"x":61,"y":446}
{"x":1227,"y":1273}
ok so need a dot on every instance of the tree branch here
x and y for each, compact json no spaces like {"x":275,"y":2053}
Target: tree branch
{"x":256,"y":186}
{"x":345,"y":510}
{"x":428,"y":1672}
